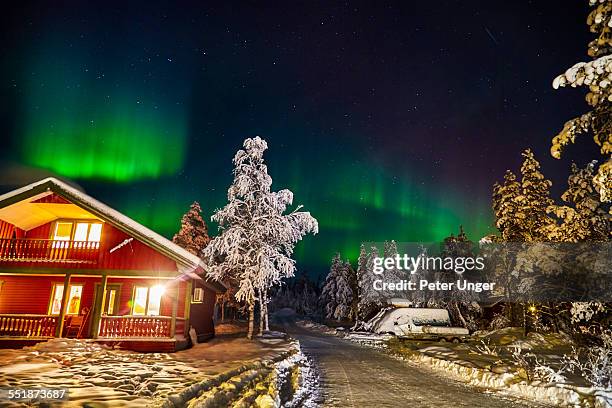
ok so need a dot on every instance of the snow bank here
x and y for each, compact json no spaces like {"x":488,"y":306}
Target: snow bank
{"x":286,"y":380}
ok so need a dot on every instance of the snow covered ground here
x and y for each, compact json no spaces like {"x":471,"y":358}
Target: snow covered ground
{"x":486,"y":361}
{"x":106,"y":377}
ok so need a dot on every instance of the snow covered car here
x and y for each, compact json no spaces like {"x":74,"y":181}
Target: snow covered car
{"x":418,"y":323}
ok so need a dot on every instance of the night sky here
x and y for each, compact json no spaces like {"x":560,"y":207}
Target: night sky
{"x":387,"y":120}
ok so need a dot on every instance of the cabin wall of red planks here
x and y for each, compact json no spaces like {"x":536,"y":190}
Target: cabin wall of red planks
{"x":27,"y":294}
{"x":201,"y":314}
{"x":133,"y":255}
{"x":7,"y":229}
{"x":40,"y":232}
{"x":52,"y":199}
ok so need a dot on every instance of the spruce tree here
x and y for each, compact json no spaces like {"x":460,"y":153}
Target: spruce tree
{"x":393,"y":274}
{"x":533,"y":201}
{"x":584,"y":218}
{"x":505,"y":207}
{"x":370,"y":300}
{"x":362,"y":265}
{"x":344,"y":292}
{"x":330,"y":288}
{"x":193,"y":235}
{"x":596,"y":75}
{"x":461,"y":304}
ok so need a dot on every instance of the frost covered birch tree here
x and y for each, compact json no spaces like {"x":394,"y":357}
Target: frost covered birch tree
{"x":256,"y":239}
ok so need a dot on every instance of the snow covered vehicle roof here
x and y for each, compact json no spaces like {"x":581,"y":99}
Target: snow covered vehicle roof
{"x":387,"y":320}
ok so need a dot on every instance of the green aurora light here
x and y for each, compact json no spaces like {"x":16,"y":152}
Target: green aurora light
{"x":86,"y":125}
{"x":135,"y":147}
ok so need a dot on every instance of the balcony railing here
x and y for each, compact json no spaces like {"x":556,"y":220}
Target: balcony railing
{"x":135,"y":326}
{"x":48,"y":250}
{"x":27,"y":325}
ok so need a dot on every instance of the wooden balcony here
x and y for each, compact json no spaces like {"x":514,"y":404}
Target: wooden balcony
{"x":48,"y":250}
{"x":27,"y":325}
{"x":145,"y":327}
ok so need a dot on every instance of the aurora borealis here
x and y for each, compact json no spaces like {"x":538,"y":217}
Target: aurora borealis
{"x":117,"y":131}
{"x":387,"y":121}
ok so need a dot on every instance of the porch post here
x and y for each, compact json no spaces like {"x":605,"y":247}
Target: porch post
{"x":174,"y":310}
{"x":98,"y":306}
{"x":59,"y":327}
{"x":187,"y":311}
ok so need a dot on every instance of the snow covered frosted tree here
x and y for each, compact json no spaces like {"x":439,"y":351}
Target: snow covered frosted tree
{"x":362,"y":265}
{"x":505,"y":207}
{"x":329,"y":293}
{"x":520,"y":207}
{"x":256,"y":240}
{"x":533,"y":201}
{"x":393,"y":274}
{"x":597,"y":76}
{"x":370,"y":300}
{"x":193,"y":235}
{"x":521,"y":212}
{"x":344,"y":292}
{"x":461,"y":305}
{"x":584,"y":218}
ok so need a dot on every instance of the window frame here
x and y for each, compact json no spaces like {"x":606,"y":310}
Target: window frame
{"x":53,"y":292}
{"x":111,"y":304}
{"x":74,"y":223}
{"x":147,"y":301}
{"x":201,"y":297}
{"x":146,"y":305}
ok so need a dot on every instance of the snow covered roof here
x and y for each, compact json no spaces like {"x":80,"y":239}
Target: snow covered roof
{"x":186,"y":261}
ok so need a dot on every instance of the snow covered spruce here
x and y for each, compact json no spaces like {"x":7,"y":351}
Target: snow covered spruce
{"x":597,"y":76}
{"x":256,"y":241}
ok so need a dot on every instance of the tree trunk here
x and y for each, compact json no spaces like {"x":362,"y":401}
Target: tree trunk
{"x":459,"y":315}
{"x":223,"y":311}
{"x":251,"y":320}
{"x":261,"y":312}
{"x":264,"y":316}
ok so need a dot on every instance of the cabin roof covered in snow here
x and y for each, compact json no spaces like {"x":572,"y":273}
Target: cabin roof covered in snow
{"x":186,"y":261}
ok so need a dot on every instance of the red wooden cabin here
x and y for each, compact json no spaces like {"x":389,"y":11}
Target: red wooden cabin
{"x":71,"y":266}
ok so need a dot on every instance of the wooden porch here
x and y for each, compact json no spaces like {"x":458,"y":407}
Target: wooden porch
{"x":104,"y":309}
{"x":44,"y":327}
{"x":48,"y":250}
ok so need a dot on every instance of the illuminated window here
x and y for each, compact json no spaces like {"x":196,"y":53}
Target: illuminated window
{"x":56,"y":299}
{"x":139,"y":304}
{"x":83,"y":231}
{"x":63,"y":231}
{"x":155,"y":294}
{"x":111,"y":297}
{"x":87,"y":231}
{"x":147,"y":299}
{"x":80,"y":233}
{"x":198,"y":295}
{"x":74,"y":299}
{"x":95,"y":232}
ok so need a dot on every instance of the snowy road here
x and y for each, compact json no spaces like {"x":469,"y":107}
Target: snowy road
{"x":356,"y":376}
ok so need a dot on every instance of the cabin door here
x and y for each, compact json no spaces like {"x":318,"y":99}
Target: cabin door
{"x":111,"y":301}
